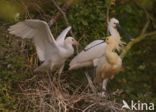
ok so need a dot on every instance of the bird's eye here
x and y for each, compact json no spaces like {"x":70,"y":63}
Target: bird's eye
{"x":72,"y":39}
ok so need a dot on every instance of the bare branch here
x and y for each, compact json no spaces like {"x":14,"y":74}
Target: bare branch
{"x":134,"y":41}
{"x":142,"y":35}
{"x":107,"y":13}
{"x":145,"y":27}
{"x":147,"y":23}
{"x":61,"y":12}
{"x":91,"y":105}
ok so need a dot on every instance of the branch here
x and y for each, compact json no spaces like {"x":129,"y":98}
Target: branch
{"x":107,"y":13}
{"x":108,"y":7}
{"x":145,"y":27}
{"x":146,"y":12}
{"x":135,"y":41}
{"x":142,"y":36}
{"x":61,"y":12}
{"x":107,"y":16}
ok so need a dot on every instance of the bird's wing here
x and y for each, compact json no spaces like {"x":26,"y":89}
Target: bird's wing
{"x":92,"y":51}
{"x":60,"y":39}
{"x":93,"y":44}
{"x":40,"y":32}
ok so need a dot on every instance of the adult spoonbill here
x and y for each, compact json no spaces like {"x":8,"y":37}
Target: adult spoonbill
{"x":90,"y":55}
{"x":52,"y":52}
{"x":102,"y":55}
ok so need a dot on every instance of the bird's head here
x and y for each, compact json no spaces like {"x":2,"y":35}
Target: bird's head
{"x":114,"y":23}
{"x":72,"y":41}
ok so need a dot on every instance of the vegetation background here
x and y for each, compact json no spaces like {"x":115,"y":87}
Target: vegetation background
{"x":22,"y":90}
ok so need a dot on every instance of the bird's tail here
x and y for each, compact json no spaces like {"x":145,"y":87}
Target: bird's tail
{"x":77,"y":65}
{"x":43,"y":67}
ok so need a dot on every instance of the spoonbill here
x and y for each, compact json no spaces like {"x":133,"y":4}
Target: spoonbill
{"x":52,"y":52}
{"x":102,"y":55}
{"x":108,"y":65}
{"x":90,"y":55}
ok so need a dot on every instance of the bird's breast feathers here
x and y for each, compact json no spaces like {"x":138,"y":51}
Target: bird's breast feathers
{"x":66,"y":52}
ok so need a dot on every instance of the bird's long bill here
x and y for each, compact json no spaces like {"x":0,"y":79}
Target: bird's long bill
{"x":121,"y":30}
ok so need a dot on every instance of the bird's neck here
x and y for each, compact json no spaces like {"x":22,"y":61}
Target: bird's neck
{"x":69,"y":50}
{"x":114,"y":32}
{"x":109,"y":51}
{"x":68,"y":45}
{"x":111,"y":55}
{"x":113,"y":43}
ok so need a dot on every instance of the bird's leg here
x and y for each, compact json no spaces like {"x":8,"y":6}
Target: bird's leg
{"x":104,"y":85}
{"x":61,"y":69}
{"x":94,"y":71}
{"x":90,"y":83}
{"x":42,"y":67}
{"x":50,"y":80}
{"x":51,"y":66}
{"x":59,"y":74}
{"x":95,"y":62}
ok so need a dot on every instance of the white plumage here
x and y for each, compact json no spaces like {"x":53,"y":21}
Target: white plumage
{"x":53,"y":52}
{"x":89,"y":55}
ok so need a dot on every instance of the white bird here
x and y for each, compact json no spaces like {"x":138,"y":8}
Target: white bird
{"x":53,"y":52}
{"x":96,"y":49}
{"x":108,"y":65}
{"x":101,"y":55}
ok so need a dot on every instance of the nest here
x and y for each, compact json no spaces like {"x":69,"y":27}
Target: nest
{"x":52,"y":93}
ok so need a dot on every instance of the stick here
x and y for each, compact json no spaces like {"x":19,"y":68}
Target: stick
{"x":61,"y":12}
{"x":135,"y":41}
{"x":142,"y":36}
